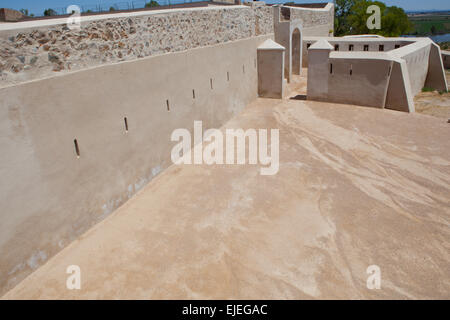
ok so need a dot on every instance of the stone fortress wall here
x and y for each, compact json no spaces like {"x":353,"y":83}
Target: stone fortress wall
{"x":68,"y":158}
{"x":343,"y":44}
{"x":32,"y":53}
{"x":373,"y":71}
{"x":315,"y":21}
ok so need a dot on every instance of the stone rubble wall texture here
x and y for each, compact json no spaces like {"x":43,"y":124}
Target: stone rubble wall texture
{"x":313,"y":18}
{"x":35,"y":53}
{"x":9,"y":15}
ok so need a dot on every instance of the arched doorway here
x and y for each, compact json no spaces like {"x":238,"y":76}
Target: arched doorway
{"x":296,"y":51}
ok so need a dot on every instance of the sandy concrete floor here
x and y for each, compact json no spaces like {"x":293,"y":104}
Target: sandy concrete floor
{"x":356,"y":187}
{"x":434,"y":103}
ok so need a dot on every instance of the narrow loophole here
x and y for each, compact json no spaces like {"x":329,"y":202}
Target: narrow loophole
{"x":193,"y":94}
{"x":331,"y":68}
{"x":126,"y":124}
{"x":210,"y":82}
{"x":351,"y":69}
{"x":77,"y":149}
{"x":243,"y":69}
{"x":228,"y":76}
{"x":167,"y":103}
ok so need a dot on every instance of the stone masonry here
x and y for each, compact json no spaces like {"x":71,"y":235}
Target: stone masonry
{"x":35,"y":53}
{"x":310,"y":18}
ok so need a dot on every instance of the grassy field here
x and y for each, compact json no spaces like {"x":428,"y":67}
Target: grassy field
{"x":445,"y":45}
{"x":434,"y":103}
{"x":423,"y":24}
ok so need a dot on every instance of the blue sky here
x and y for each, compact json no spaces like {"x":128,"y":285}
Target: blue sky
{"x":38,"y":6}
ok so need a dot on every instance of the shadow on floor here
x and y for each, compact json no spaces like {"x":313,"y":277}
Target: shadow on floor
{"x":299,"y":97}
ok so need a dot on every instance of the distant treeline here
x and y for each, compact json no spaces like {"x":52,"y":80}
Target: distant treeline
{"x":101,"y":8}
{"x":430,"y":24}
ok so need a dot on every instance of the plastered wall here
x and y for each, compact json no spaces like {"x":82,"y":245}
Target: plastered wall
{"x":446,"y":59}
{"x":270,"y":61}
{"x":49,"y":195}
{"x":366,"y":79}
{"x":387,"y":79}
{"x":355,"y":80}
{"x":315,"y":21}
{"x":357,"y":43}
{"x":416,"y":56}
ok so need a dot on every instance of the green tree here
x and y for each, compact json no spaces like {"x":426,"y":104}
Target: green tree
{"x":111,"y":9}
{"x":152,"y":3}
{"x":358,"y":17}
{"x":50,"y":12}
{"x":25,"y":12}
{"x":433,"y":29}
{"x":342,"y":12}
{"x":394,"y":21}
